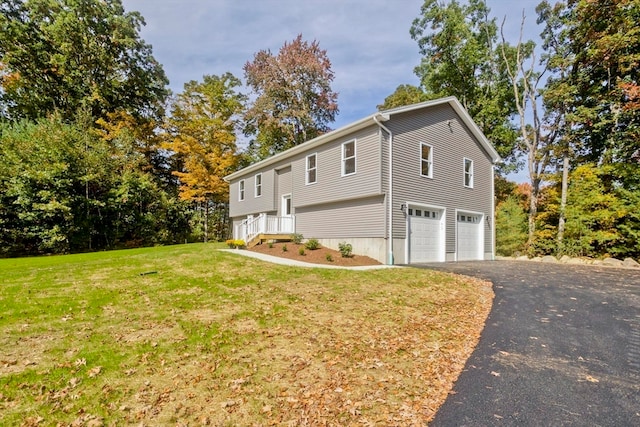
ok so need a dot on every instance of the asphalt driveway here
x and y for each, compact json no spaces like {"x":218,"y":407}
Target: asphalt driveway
{"x":561,"y":347}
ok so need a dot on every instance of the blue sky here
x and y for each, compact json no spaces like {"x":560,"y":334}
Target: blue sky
{"x":367,"y":41}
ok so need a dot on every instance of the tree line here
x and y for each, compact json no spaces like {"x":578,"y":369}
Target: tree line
{"x":96,"y":153}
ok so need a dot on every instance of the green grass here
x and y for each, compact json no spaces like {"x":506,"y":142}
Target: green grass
{"x":191,"y":334}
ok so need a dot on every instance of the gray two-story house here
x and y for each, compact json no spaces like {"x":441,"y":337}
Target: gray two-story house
{"x":408,"y":185}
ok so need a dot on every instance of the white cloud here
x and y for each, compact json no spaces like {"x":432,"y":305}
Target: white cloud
{"x":367,"y":41}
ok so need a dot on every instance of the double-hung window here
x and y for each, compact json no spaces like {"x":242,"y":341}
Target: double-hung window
{"x":241,"y":190}
{"x":311,"y":169}
{"x":468,"y":173}
{"x":258,"y":184}
{"x":426,"y":160}
{"x":349,"y":158}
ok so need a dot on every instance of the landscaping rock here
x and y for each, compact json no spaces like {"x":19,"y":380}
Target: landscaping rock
{"x":565,"y":259}
{"x":612,"y":262}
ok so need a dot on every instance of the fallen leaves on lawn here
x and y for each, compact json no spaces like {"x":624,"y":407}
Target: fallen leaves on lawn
{"x":303,"y":351}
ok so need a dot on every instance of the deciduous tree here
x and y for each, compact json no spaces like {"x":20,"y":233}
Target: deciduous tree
{"x":64,"y":55}
{"x":605,"y":38}
{"x":294,"y":100}
{"x":461,"y":58}
{"x":403,"y":95}
{"x":203,"y":125}
{"x":592,"y":213}
{"x":202,"y":137}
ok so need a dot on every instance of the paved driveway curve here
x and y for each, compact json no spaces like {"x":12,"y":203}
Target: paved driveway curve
{"x":561,"y":347}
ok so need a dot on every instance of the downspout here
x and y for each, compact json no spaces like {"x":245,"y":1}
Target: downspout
{"x":390,"y":259}
{"x":492,"y":222}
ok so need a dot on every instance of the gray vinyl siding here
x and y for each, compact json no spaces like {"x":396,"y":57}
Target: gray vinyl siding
{"x":451,"y":144}
{"x":252,"y":204}
{"x":353,"y":218}
{"x":331,"y":185}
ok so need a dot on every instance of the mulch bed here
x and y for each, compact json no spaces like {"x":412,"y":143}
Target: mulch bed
{"x":318,"y":256}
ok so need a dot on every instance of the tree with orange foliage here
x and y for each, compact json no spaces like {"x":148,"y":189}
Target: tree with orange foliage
{"x":202,"y":138}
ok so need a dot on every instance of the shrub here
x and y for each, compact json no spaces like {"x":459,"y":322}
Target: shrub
{"x":270,"y":245}
{"x":284,"y":248}
{"x":297,"y":238}
{"x":312,"y":244}
{"x":329,"y":258}
{"x":301,"y":250}
{"x":238,"y":243}
{"x":345,"y":249}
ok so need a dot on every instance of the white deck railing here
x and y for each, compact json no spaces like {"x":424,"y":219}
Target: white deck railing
{"x":264,"y":224}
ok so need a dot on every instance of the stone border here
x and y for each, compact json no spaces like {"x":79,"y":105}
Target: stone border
{"x":606,"y":262}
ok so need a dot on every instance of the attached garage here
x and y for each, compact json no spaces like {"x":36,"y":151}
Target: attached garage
{"x":470,"y":236}
{"x":425,"y":233}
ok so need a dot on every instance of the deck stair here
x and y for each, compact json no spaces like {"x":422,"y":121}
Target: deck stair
{"x":256,"y":230}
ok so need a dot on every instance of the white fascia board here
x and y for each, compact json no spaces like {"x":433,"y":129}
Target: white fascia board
{"x":464,"y":115}
{"x":382,"y":116}
{"x":322,"y":139}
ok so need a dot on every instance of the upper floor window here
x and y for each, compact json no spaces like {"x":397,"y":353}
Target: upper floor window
{"x":468,"y":173}
{"x":426,"y":160}
{"x":311,"y":169}
{"x":349,"y":158}
{"x":241,"y":190}
{"x":259,"y":185}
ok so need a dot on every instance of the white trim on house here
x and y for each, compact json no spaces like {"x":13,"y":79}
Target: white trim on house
{"x":467,"y":179}
{"x":368,"y":121}
{"x":348,"y":158}
{"x":286,"y":207}
{"x":411,"y":208}
{"x":241,"y":190}
{"x":429,"y":160}
{"x":474,"y":221}
{"x":257,"y":180}
{"x":313,"y":169}
{"x":369,"y":149}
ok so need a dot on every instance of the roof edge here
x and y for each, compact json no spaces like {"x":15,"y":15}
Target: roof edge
{"x":462,"y":112}
{"x":369,"y":120}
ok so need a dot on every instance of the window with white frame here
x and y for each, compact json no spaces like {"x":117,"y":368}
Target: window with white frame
{"x":241,"y":190}
{"x":311,"y":169}
{"x":468,"y":173}
{"x":258,"y":184}
{"x":349,"y":158}
{"x":426,"y":160}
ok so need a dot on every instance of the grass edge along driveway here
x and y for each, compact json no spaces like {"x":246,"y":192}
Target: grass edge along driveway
{"x":191,"y":335}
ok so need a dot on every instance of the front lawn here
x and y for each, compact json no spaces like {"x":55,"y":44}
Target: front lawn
{"x":188,"y":335}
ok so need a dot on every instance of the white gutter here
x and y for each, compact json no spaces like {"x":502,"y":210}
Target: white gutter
{"x":390,"y":201}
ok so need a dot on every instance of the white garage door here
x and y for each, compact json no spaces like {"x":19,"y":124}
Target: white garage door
{"x":426,"y":235}
{"x":470,"y":237}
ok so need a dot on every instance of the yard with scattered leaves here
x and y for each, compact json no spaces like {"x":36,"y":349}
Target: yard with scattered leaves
{"x":189,"y":335}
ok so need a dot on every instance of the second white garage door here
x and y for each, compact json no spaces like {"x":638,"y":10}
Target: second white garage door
{"x":470,"y":237}
{"x":426,"y":235}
